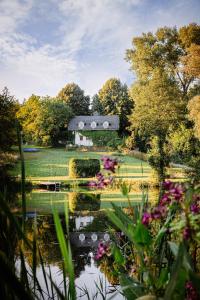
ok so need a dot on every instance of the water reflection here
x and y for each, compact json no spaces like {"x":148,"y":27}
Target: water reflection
{"x":85,"y":266}
{"x":84,"y":201}
{"x":87,"y":225}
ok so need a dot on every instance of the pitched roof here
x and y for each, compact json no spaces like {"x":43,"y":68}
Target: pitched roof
{"x":94,"y":123}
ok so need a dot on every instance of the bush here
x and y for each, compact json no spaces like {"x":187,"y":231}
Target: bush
{"x":84,"y":201}
{"x":83,"y":167}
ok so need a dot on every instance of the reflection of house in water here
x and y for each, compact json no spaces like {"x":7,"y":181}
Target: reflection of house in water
{"x":81,"y":222}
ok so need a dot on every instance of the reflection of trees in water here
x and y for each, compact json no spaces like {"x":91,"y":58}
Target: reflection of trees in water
{"x":49,"y":247}
{"x":107,"y":266}
{"x":81,"y":258}
{"x":46,"y":240}
{"x":84,"y":201}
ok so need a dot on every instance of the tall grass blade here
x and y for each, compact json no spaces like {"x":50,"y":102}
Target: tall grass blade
{"x":66,"y":254}
{"x":34,"y":253}
{"x":20,"y":144}
{"x":23,"y":272}
{"x":43,"y":271}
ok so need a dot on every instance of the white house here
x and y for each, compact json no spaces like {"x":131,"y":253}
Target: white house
{"x":82,"y":140}
{"x":91,"y":123}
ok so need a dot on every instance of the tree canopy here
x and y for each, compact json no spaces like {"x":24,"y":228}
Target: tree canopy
{"x":44,"y":119}
{"x":74,"y":96}
{"x":8,"y":109}
{"x":115,"y":99}
{"x":194,"y":114}
{"x":164,"y":50}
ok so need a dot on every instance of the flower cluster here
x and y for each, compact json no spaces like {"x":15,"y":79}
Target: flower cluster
{"x":195,"y":205}
{"x":101,"y":181}
{"x":173,"y":193}
{"x":101,"y":250}
{"x":109,"y":163}
{"x":191,"y":291}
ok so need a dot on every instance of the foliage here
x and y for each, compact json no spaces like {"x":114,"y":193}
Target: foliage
{"x":103,"y":138}
{"x":158,"y":108}
{"x":164,"y":50}
{"x":115,"y":99}
{"x":194,"y":114}
{"x":44,"y":119}
{"x":182,"y":144}
{"x":83,"y":167}
{"x":152,"y":255}
{"x":97,"y":105}
{"x":84,"y":201}
{"x":9,"y":107}
{"x":192,"y":61}
{"x":193,"y":172}
{"x":74,"y":97}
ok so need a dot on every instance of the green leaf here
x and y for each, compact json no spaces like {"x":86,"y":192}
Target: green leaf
{"x":161,"y":281}
{"x":176,"y":275}
{"x":119,"y":258}
{"x":141,"y":235}
{"x":131,"y":288}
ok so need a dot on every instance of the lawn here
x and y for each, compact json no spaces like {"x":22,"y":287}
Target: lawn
{"x":52,"y":164}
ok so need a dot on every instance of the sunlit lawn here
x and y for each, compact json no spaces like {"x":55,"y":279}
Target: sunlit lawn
{"x":52,"y":164}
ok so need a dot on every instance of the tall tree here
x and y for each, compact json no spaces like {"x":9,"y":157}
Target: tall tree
{"x":53,"y":120}
{"x":191,"y":61}
{"x":158,"y":107}
{"x":115,"y":99}
{"x":8,"y":109}
{"x":74,"y":96}
{"x":164,"y":50}
{"x":97,"y":105}
{"x":44,"y":119}
{"x":28,"y":117}
{"x":194,"y":114}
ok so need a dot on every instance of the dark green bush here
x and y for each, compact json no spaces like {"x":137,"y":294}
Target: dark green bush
{"x":83,"y":167}
{"x":84,"y":201}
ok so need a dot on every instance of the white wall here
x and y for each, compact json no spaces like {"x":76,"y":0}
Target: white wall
{"x":82,"y":142}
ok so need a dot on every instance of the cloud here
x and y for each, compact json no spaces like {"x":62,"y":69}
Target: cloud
{"x":46,"y":45}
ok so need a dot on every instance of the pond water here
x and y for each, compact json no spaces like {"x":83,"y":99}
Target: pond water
{"x":88,"y":225}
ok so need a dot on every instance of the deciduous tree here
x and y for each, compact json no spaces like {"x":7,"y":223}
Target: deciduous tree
{"x":74,"y":96}
{"x":115,"y":99}
{"x":8,"y":109}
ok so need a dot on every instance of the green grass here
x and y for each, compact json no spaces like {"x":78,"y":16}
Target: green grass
{"x":52,"y":164}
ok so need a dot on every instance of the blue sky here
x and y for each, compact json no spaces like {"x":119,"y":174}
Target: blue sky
{"x":47,"y":44}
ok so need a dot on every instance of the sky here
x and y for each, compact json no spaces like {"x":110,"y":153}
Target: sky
{"x":46,"y":44}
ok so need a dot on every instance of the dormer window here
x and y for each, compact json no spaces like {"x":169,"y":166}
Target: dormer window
{"x":93,"y":125}
{"x":105,"y":124}
{"x":81,"y":125}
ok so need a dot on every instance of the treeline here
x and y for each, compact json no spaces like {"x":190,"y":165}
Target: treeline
{"x":159,"y":114}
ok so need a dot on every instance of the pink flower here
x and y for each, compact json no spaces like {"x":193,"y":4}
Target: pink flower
{"x":194,"y":208}
{"x":158,"y":212}
{"x":146,"y":218}
{"x":191,"y":291}
{"x":101,"y":250}
{"x":109,"y":164}
{"x":187,"y":233}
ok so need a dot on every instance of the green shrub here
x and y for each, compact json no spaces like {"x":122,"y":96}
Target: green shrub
{"x":103,"y":138}
{"x":83,"y":167}
{"x":84,"y":201}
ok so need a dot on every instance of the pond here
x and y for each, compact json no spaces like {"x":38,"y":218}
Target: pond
{"x":88,"y":225}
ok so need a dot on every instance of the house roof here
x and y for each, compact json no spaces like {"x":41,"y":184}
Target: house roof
{"x":94,"y":123}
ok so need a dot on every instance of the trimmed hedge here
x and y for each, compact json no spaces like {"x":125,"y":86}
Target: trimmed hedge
{"x":84,"y":201}
{"x":83,"y":167}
